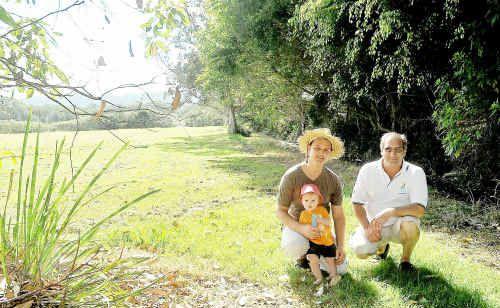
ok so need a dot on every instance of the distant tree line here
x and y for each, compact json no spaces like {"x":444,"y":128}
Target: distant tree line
{"x":51,"y":117}
{"x":426,"y":68}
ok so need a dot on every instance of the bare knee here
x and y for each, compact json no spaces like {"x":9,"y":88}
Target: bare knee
{"x":409,"y":232}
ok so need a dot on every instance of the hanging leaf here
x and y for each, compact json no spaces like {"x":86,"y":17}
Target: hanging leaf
{"x":60,"y":74}
{"x":107,"y":19}
{"x":100,"y":61}
{"x":177,"y":99}
{"x":130,"y":51}
{"x":6,"y":18}
{"x":29,"y":92}
{"x":139,"y":4}
{"x":151,"y":50}
{"x":101,"y":109}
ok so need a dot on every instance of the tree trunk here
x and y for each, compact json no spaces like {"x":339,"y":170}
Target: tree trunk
{"x":231,"y":120}
{"x":392,"y":106}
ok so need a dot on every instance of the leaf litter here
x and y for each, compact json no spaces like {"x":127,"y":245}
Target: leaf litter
{"x":175,"y":289}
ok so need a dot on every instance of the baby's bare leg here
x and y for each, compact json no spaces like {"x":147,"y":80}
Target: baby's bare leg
{"x":314,"y":265}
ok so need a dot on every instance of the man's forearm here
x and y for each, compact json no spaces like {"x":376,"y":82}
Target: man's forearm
{"x":360,"y":213}
{"x":339,"y":220}
{"x":340,"y":231}
{"x":413,"y":209}
{"x":287,"y":220}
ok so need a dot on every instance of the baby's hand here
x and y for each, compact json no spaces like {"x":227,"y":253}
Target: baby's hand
{"x":310,"y":232}
{"x":324,"y":221}
{"x":321,"y":228}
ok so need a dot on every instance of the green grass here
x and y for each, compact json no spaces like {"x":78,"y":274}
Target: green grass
{"x":215,"y":216}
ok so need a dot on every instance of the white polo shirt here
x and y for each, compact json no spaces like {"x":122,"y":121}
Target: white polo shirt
{"x":377,"y":192}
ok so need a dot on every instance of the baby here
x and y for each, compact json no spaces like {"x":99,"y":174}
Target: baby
{"x":317,"y":215}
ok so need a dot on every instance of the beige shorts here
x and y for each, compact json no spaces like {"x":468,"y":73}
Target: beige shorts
{"x":295,"y":246}
{"x":360,"y":244}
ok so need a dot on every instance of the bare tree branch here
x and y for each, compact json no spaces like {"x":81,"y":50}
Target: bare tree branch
{"x":63,"y":94}
{"x":41,"y":18}
{"x":129,"y":85}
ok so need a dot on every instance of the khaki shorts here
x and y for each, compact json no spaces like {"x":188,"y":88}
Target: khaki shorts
{"x":360,"y":244}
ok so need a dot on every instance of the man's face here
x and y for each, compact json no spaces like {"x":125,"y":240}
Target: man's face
{"x":310,"y":201}
{"x":320,"y":150}
{"x":393,"y":151}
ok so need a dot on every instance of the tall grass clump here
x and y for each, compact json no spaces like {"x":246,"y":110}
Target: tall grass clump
{"x":42,"y":263}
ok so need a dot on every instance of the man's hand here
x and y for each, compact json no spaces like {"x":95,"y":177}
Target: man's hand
{"x":340,"y":255}
{"x":374,"y":231}
{"x":310,"y":232}
{"x":384,"y":216}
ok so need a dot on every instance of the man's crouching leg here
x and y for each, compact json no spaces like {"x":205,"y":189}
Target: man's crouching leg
{"x":409,"y":233}
{"x":360,"y":244}
{"x":294,"y":244}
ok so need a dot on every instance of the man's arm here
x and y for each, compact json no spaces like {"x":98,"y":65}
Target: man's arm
{"x":339,"y":220}
{"x":414,"y":209}
{"x":306,"y":230}
{"x":360,"y":213}
{"x":360,"y":196}
{"x":372,"y":231}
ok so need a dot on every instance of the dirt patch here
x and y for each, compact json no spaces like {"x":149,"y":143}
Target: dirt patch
{"x":186,"y":290}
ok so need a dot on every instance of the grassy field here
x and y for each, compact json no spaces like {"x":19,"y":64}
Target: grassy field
{"x":215,"y":216}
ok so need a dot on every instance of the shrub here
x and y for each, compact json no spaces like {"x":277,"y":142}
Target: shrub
{"x":41,"y":262}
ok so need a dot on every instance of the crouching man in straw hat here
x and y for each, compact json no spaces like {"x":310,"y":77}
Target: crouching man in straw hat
{"x":319,"y":146}
{"x":389,"y":197}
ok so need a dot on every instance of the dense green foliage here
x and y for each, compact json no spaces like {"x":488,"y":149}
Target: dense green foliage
{"x":426,"y":69}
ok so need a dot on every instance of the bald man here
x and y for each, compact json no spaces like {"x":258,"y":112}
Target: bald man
{"x":389,"y":197}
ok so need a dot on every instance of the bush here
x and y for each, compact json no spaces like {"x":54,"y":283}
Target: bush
{"x":41,"y":261}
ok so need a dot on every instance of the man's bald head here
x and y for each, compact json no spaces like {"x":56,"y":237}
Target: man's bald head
{"x":391,"y":135}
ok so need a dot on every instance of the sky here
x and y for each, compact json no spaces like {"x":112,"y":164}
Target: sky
{"x":86,"y":36}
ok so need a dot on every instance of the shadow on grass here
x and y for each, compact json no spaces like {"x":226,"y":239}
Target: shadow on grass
{"x":203,"y":146}
{"x":349,"y":292}
{"x":427,"y":288}
{"x":264,"y":172}
{"x":219,"y":144}
{"x":235,"y":155}
{"x":240,"y":155}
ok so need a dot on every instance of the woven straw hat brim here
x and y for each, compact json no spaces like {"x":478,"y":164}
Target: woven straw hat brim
{"x":313,"y":134}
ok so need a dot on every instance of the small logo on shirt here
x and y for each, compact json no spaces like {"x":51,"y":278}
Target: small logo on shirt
{"x":402,"y":189}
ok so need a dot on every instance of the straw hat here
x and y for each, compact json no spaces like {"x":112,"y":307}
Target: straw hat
{"x":313,"y":134}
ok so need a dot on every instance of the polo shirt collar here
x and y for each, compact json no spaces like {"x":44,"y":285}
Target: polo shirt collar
{"x":405,"y":166}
